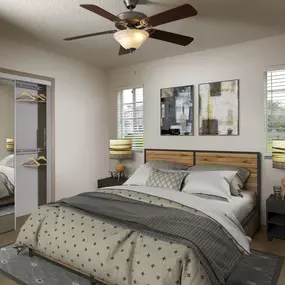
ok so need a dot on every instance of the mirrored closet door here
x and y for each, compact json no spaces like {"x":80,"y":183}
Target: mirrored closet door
{"x":25,"y":154}
{"x":31,"y":146}
{"x":7,"y":157}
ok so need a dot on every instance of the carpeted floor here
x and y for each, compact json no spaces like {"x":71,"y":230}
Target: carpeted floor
{"x":258,"y":269}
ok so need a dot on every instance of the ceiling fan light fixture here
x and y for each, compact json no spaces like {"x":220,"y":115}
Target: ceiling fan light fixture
{"x":131,"y":38}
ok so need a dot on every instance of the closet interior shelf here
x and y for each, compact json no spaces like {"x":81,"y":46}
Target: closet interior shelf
{"x":31,"y":98}
{"x":29,"y":151}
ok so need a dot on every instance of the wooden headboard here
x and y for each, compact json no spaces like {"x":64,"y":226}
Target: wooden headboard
{"x":180,"y":156}
{"x":249,"y":160}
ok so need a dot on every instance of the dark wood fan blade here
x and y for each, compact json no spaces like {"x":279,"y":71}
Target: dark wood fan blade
{"x":90,"y":35}
{"x":172,"y":15}
{"x":123,"y":51}
{"x":170,"y":37}
{"x":101,"y":12}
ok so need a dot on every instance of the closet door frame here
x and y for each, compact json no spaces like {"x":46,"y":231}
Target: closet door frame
{"x":50,"y":83}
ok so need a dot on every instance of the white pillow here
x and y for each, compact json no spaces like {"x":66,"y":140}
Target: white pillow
{"x":8,"y":161}
{"x":140,"y":177}
{"x":214,"y":183}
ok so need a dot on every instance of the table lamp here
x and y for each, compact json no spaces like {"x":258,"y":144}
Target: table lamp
{"x":278,"y":158}
{"x":120,"y":150}
{"x":10,"y":145}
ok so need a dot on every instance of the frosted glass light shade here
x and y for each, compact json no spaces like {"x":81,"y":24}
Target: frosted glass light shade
{"x":131,"y":38}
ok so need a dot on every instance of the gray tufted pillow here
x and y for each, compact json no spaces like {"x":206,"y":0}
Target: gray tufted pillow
{"x":168,"y":180}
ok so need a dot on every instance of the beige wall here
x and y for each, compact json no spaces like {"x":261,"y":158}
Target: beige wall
{"x":6,"y":115}
{"x":245,"y":62}
{"x":81,"y":132}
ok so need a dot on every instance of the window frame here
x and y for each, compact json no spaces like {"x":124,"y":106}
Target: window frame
{"x":121,"y":89}
{"x":268,"y":155}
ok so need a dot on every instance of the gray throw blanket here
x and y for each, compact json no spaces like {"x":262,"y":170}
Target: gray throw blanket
{"x":6,"y":187}
{"x":215,"y":249}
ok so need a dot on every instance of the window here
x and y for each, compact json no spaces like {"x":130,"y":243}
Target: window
{"x":130,"y":116}
{"x":275,"y":106}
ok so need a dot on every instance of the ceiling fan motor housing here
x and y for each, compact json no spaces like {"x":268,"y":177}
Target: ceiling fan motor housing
{"x":131,"y":4}
{"x":132,"y":18}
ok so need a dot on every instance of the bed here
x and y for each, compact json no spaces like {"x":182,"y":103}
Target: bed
{"x":249,"y":160}
{"x":142,"y":235}
{"x":6,"y":186}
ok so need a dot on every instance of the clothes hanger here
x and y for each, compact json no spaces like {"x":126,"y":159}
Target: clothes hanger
{"x":25,"y":95}
{"x":39,"y":97}
{"x":30,"y":162}
{"x":42,"y":158}
{"x":43,"y":97}
{"x":31,"y":97}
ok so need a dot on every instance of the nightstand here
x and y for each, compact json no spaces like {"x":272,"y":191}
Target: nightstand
{"x":275,"y":223}
{"x":107,"y":182}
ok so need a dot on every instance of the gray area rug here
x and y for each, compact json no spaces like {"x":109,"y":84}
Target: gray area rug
{"x":258,"y":269}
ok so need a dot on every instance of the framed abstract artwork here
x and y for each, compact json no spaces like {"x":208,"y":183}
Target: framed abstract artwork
{"x":219,"y":108}
{"x":176,"y":111}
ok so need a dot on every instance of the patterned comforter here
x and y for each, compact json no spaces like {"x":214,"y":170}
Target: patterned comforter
{"x":109,"y":252}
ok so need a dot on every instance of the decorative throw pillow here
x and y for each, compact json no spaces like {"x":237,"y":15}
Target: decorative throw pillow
{"x":140,"y":177}
{"x":212,"y":183}
{"x":163,"y":164}
{"x":8,"y":161}
{"x":237,"y":182}
{"x":168,"y":180}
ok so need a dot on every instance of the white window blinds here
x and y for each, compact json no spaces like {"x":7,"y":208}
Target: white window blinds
{"x":130,"y":116}
{"x":275,"y":106}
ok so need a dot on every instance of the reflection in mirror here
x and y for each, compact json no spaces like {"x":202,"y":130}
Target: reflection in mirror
{"x":7,"y":173}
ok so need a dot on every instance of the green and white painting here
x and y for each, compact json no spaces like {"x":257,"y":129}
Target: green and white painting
{"x":219,"y":108}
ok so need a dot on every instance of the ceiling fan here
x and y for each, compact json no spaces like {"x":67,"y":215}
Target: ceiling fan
{"x":134,"y":28}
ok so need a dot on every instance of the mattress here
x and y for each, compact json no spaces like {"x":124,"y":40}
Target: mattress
{"x":241,"y":207}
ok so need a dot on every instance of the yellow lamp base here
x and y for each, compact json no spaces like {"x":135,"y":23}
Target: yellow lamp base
{"x":119,"y":168}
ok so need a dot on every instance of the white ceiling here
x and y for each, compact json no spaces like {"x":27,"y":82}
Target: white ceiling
{"x":44,"y":23}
